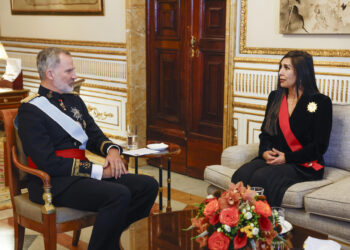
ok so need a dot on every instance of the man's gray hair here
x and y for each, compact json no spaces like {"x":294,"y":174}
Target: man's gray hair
{"x":48,"y":59}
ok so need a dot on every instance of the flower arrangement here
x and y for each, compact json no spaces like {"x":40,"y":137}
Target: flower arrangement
{"x":236,"y":219}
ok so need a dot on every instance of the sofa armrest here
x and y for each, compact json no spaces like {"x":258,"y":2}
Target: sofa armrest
{"x":236,"y":156}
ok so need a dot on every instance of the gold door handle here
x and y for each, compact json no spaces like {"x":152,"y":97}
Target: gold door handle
{"x":193,"y":41}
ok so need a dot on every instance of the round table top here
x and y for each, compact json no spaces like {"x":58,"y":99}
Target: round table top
{"x":161,"y":231}
{"x":173,"y":149}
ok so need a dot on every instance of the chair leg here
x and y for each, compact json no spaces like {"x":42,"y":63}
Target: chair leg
{"x":19,"y":236}
{"x":49,"y":231}
{"x":76,"y":236}
{"x":50,"y":240}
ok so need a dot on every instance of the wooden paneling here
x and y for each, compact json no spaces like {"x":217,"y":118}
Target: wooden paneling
{"x":185,"y":79}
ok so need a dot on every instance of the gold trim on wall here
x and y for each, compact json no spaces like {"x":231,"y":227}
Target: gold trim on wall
{"x":230,"y":47}
{"x":74,"y":56}
{"x":64,"y":42}
{"x":244,"y":49}
{"x":251,"y":97}
{"x":91,"y":85}
{"x":276,"y":61}
{"x":275,"y":71}
{"x":248,"y":113}
{"x":248,"y":106}
{"x":70,"y":49}
{"x":115,"y":136}
{"x":248,"y":122}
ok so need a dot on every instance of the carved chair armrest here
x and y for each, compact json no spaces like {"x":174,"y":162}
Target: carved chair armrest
{"x":48,"y":208}
{"x":41,"y":174}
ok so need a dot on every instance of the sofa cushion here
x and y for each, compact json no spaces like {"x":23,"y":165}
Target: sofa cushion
{"x":236,"y":156}
{"x":339,"y":143}
{"x":218,"y":175}
{"x":294,"y":196}
{"x":331,"y":201}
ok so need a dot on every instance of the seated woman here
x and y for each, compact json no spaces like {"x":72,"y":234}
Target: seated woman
{"x":294,"y":134}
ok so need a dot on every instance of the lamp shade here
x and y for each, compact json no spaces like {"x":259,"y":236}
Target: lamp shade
{"x":3,"y":54}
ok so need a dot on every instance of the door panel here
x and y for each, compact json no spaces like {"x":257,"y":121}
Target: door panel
{"x":207,"y":92}
{"x":185,"y":79}
{"x":166,"y":92}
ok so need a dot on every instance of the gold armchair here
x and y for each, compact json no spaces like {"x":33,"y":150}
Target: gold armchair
{"x":46,"y":219}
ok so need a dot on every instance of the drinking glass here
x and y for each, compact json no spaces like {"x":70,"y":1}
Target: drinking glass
{"x":132,"y":137}
{"x":258,"y":190}
{"x":278,"y":245}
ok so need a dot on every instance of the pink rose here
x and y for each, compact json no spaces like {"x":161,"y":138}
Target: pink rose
{"x":218,"y":241}
{"x":229,"y":216}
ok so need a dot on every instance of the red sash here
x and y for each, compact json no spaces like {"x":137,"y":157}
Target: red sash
{"x":66,"y":153}
{"x":292,"y":141}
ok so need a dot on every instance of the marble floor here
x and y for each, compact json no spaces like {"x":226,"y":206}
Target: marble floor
{"x":185,"y":191}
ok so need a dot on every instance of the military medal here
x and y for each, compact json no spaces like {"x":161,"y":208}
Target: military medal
{"x":62,"y":104}
{"x":76,"y":113}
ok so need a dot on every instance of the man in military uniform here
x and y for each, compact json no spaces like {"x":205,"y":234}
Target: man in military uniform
{"x":55,"y":129}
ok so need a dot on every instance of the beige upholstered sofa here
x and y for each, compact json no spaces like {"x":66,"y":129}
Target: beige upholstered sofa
{"x":324,"y":205}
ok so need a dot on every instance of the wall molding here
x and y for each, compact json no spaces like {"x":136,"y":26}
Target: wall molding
{"x":259,"y":60}
{"x":64,"y":42}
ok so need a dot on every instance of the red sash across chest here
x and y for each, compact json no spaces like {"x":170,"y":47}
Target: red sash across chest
{"x":292,"y":141}
{"x":66,"y":153}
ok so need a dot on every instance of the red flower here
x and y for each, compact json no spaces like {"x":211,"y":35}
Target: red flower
{"x":263,"y":208}
{"x":265,"y":223}
{"x":211,"y":208}
{"x":229,"y":216}
{"x":218,"y":241}
{"x":214,"y":219}
{"x":240,"y":240}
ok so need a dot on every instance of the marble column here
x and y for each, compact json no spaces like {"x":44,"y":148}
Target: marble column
{"x":136,"y":66}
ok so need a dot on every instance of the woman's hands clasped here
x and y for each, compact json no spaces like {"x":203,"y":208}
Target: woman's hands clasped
{"x":274,"y":157}
{"x":114,"y":165}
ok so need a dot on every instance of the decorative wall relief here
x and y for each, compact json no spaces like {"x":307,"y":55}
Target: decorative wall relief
{"x":57,"y":7}
{"x":315,"y":16}
{"x":98,"y":115}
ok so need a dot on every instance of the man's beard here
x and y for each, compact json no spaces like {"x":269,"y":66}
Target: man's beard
{"x":65,"y":88}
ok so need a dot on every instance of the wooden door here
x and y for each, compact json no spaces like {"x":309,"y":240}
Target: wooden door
{"x":185,"y":79}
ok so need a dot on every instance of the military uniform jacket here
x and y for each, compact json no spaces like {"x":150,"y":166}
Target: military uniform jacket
{"x":310,"y":122}
{"x":41,"y":136}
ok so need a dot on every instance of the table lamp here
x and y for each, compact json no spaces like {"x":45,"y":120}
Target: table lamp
{"x":13,"y":65}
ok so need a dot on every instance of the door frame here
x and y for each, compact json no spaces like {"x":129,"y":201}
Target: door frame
{"x":136,"y":22}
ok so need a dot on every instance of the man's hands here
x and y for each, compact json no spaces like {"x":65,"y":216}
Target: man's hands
{"x":274,"y":157}
{"x":114,"y":165}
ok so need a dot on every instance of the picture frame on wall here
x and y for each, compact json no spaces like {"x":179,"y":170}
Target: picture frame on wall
{"x":57,"y":7}
{"x":314,"y":17}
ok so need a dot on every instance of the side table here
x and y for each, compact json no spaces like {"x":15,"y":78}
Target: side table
{"x":165,"y":156}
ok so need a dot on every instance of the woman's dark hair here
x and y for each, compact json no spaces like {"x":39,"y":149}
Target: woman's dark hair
{"x":304,"y":69}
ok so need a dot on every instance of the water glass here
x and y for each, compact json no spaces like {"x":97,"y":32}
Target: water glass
{"x":258,"y":190}
{"x":278,"y":245}
{"x":132,"y":137}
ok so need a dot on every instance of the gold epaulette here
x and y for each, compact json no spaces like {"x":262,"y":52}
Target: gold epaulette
{"x":29,"y":98}
{"x":73,"y":93}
